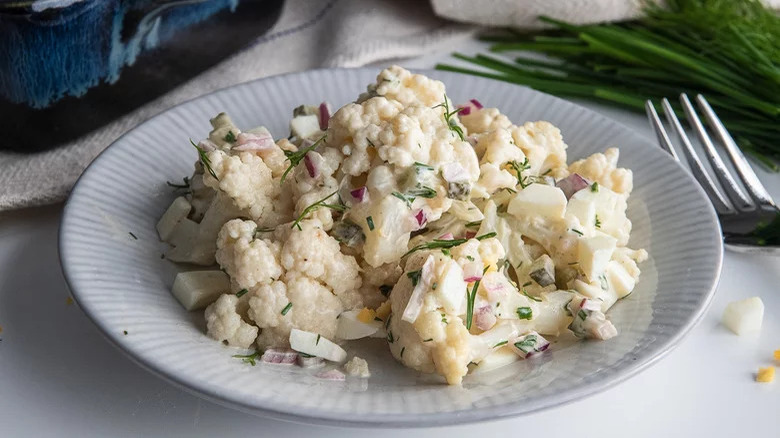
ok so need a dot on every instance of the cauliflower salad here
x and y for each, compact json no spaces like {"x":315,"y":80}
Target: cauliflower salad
{"x":461,"y":240}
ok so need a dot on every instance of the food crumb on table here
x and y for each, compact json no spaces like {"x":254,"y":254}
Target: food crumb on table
{"x":777,"y":354}
{"x":357,"y":367}
{"x":69,"y":301}
{"x":765,"y":375}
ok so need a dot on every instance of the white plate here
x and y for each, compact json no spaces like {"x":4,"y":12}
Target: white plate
{"x":123,"y":285}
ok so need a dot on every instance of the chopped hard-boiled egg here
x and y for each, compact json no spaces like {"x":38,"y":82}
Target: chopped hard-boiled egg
{"x":594,"y":253}
{"x":777,"y":354}
{"x":744,"y":316}
{"x":366,"y":315}
{"x":539,"y":200}
{"x":765,"y":375}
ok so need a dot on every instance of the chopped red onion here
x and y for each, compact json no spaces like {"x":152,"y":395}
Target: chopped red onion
{"x":484,"y":318}
{"x":333,"y":374}
{"x":207,"y":145}
{"x":476,"y":103}
{"x":279,"y":356}
{"x":587,"y":304}
{"x":324,"y":116}
{"x":446,"y":236}
{"x":360,"y":194}
{"x":314,"y":172}
{"x":464,"y":110}
{"x":572,"y":184}
{"x":529,"y":344}
{"x":421,"y":218}
{"x":247,"y":141}
{"x":471,"y":234}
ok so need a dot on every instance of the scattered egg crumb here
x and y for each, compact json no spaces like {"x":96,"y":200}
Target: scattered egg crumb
{"x":383,"y":311}
{"x":357,"y":367}
{"x":777,"y":354}
{"x":765,"y":375}
{"x":366,"y":315}
{"x":69,"y":301}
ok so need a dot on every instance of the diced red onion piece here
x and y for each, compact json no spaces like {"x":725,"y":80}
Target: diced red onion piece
{"x":324,"y":116}
{"x":484,"y":318}
{"x":587,"y":304}
{"x":333,"y":374}
{"x":281,"y":357}
{"x":314,"y":172}
{"x":604,"y":330}
{"x":446,"y":236}
{"x":572,"y":184}
{"x":310,"y":362}
{"x":360,"y":194}
{"x":247,"y":141}
{"x":453,"y":172}
{"x":476,"y":103}
{"x":465,"y":110}
{"x":471,"y":234}
{"x":421,"y":218}
{"x":539,"y":344}
{"x":207,"y":145}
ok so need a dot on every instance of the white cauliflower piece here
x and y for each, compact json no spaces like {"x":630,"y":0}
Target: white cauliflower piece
{"x":397,"y":83}
{"x":355,"y":127}
{"x":224,"y":323}
{"x":247,"y":260}
{"x":312,"y":308}
{"x":313,"y":253}
{"x":375,"y":279}
{"x":603,"y":169}
{"x":543,"y":144}
{"x":484,"y":120}
{"x":357,"y":367}
{"x":246,"y":179}
{"x":491,"y":179}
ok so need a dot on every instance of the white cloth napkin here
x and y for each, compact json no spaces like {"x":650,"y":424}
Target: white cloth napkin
{"x":309,"y":34}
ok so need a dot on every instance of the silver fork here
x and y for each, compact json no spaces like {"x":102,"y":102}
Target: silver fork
{"x":739,"y":213}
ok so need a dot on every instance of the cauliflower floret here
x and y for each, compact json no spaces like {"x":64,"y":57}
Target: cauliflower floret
{"x":542,"y":143}
{"x":311,"y":252}
{"x":224,"y":323}
{"x":354,"y":131}
{"x":484,"y":120}
{"x":603,"y":168}
{"x":357,"y":367}
{"x":247,"y":260}
{"x":499,"y":148}
{"x":491,"y":179}
{"x":399,"y":84}
{"x":309,"y":306}
{"x":246,"y":179}
{"x":452,"y":356}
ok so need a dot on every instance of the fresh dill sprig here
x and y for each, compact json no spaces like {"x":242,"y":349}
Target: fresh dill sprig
{"x":519,"y":168}
{"x":406,"y":199}
{"x":470,"y":297}
{"x":250,"y":359}
{"x":442,"y":244}
{"x":422,"y":192}
{"x":204,"y":159}
{"x":296,"y":157}
{"x":451,"y":122}
{"x":317,"y":205}
{"x":186,"y":184}
{"x":531,"y":297}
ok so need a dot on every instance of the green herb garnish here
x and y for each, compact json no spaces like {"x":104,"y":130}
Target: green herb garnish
{"x":469,"y":258}
{"x":582,"y":314}
{"x":132,"y":235}
{"x":230,"y":137}
{"x":486,"y":236}
{"x":390,"y":337}
{"x":296,"y":157}
{"x":287,"y":309}
{"x":414,"y":276}
{"x":524,"y":313}
{"x":519,"y":168}
{"x":475,"y":224}
{"x":597,"y":223}
{"x":186,"y":184}
{"x":446,"y":252}
{"x":423,"y":165}
{"x":500,"y":344}
{"x":421,"y":192}
{"x":248,"y":358}
{"x":594,"y":187}
{"x":318,"y":339}
{"x":531,"y":297}
{"x":428,"y":340}
{"x":407,"y":200}
{"x":470,"y":297}
{"x":241,"y":293}
{"x":402,"y":351}
{"x":370,"y":222}
{"x":451,"y":122}
{"x":577,"y":231}
{"x":527,"y":344}
{"x":317,"y":205}
{"x":204,"y":159}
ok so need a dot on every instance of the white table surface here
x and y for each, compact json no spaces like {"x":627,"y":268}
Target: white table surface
{"x":60,"y":378}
